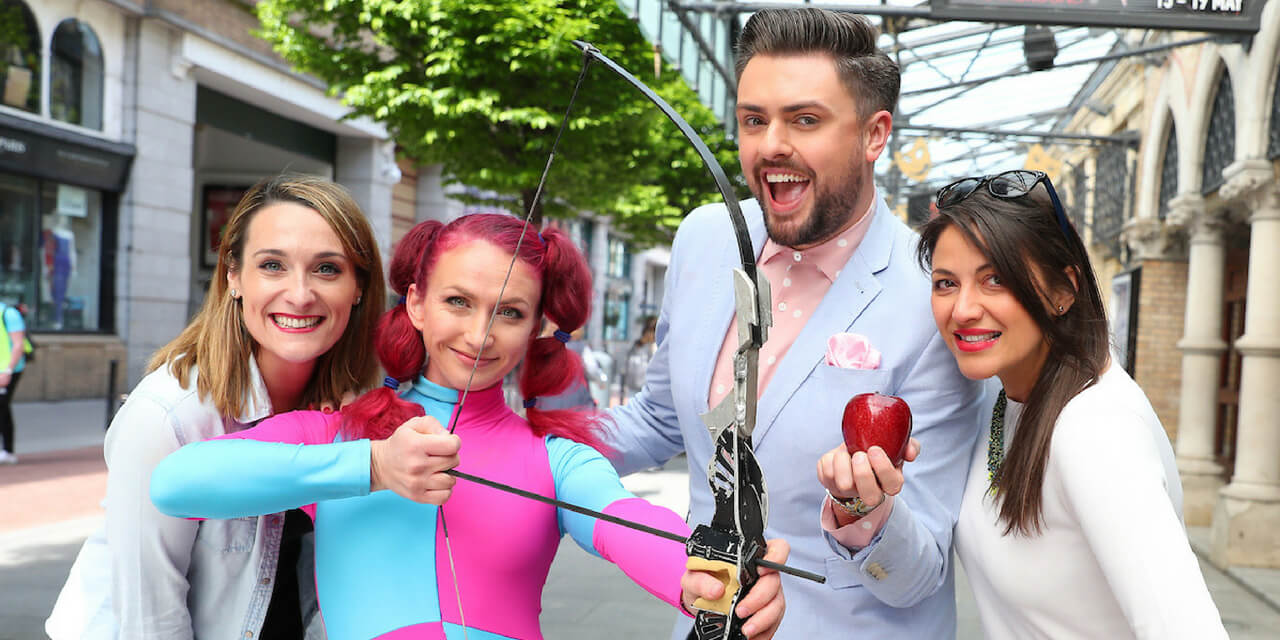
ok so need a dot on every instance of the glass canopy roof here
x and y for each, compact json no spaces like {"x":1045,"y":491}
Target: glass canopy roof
{"x":968,"y":98}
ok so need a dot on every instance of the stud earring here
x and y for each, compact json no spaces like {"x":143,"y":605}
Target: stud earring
{"x":234,"y":295}
{"x":1061,"y":310}
{"x":358,"y":299}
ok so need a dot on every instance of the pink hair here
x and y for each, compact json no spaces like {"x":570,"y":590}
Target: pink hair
{"x":549,"y":368}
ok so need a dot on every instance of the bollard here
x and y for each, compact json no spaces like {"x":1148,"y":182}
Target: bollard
{"x":111,"y":392}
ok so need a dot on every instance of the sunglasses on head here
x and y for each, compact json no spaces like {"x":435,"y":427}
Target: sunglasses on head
{"x":1009,"y":184}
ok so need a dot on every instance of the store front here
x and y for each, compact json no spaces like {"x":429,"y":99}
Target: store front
{"x":59,"y":193}
{"x":235,"y":145}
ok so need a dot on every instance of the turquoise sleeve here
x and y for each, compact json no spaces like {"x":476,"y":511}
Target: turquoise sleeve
{"x":585,"y":478}
{"x":13,"y":321}
{"x":241,"y":478}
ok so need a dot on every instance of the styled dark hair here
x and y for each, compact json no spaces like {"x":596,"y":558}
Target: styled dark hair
{"x":549,"y":368}
{"x":869,"y":75}
{"x":1033,"y":256}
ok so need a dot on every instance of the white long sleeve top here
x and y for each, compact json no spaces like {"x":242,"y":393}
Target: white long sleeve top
{"x":1112,"y":560}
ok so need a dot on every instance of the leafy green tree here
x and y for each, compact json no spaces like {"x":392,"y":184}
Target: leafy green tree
{"x":480,"y":87}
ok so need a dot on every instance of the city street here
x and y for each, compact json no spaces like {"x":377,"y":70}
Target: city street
{"x":49,"y":503}
{"x":248,"y":175}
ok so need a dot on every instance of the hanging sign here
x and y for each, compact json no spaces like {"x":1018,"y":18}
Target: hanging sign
{"x":1040,"y":160}
{"x":914,"y":162}
{"x":1231,"y":16}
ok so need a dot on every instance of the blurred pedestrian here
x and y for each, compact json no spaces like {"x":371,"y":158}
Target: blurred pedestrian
{"x":638,"y":357}
{"x":12,"y":361}
{"x":578,"y":395}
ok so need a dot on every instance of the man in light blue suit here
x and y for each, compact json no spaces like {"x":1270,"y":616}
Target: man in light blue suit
{"x":809,"y":131}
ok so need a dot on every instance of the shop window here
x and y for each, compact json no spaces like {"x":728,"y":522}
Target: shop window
{"x":18,"y":240}
{"x":70,"y":258}
{"x":19,"y":56}
{"x":619,"y":259}
{"x":617,"y":311}
{"x":50,"y":255}
{"x":75,"y":75}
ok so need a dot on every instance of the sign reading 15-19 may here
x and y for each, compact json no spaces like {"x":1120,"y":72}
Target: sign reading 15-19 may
{"x":1229,"y":16}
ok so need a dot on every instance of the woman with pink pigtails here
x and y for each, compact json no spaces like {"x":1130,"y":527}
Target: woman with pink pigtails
{"x":403,"y":552}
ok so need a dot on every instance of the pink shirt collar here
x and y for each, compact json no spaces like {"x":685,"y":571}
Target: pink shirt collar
{"x":830,"y":256}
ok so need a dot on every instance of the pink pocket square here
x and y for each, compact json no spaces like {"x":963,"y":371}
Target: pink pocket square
{"x":852,"y":351}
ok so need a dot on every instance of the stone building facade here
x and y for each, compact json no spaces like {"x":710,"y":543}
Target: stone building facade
{"x":1201,"y":225}
{"x":170,"y":108}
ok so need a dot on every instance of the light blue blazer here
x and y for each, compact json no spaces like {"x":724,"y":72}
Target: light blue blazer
{"x":882,"y":294}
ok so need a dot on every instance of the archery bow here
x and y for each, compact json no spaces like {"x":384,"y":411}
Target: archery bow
{"x":735,"y":536}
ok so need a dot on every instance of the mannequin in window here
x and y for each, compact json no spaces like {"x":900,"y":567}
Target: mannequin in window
{"x":60,"y":263}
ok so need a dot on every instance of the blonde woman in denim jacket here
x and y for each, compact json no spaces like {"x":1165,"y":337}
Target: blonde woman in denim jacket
{"x":287,"y":324}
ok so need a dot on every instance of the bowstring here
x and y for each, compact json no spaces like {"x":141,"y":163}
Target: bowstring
{"x":533,"y":205}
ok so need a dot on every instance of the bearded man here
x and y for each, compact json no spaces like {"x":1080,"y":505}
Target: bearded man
{"x":814,"y":112}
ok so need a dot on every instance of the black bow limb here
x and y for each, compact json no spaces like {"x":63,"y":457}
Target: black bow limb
{"x":734,"y":539}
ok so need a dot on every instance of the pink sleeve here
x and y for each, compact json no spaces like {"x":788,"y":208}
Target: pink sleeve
{"x":295,"y":427}
{"x":859,"y":533}
{"x":654,"y":563}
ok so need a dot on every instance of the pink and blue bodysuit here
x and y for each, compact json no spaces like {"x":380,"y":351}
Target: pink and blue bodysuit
{"x":382,"y":566}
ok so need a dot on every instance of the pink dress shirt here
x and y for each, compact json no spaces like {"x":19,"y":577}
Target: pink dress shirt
{"x":798,"y":280}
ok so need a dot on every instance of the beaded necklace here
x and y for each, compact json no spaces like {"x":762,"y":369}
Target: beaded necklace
{"x":995,"y":441}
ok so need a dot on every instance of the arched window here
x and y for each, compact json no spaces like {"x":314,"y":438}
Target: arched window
{"x":1220,"y":141}
{"x":1168,"y":172}
{"x":1078,"y":185}
{"x":19,"y":56}
{"x":1111,"y":191}
{"x":75,"y":75}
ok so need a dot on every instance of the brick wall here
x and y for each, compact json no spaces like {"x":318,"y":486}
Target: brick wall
{"x":1162,"y":298}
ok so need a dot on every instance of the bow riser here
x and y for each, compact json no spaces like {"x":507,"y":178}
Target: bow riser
{"x":736,"y":532}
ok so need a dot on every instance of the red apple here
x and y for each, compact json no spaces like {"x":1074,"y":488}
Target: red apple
{"x":873,"y":419}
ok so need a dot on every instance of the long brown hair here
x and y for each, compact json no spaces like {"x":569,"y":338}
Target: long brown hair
{"x":1033,"y":256}
{"x":217,"y":341}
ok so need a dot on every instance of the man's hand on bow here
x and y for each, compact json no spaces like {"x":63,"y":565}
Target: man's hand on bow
{"x":763,"y":605}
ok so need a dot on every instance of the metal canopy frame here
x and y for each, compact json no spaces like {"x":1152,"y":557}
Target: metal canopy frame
{"x":911,"y":34}
{"x":1068,"y":138}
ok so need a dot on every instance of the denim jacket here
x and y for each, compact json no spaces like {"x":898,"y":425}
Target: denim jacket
{"x":145,"y":575}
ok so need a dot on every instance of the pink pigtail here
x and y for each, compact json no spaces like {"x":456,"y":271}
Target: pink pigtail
{"x":549,"y":367}
{"x":378,"y":413}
